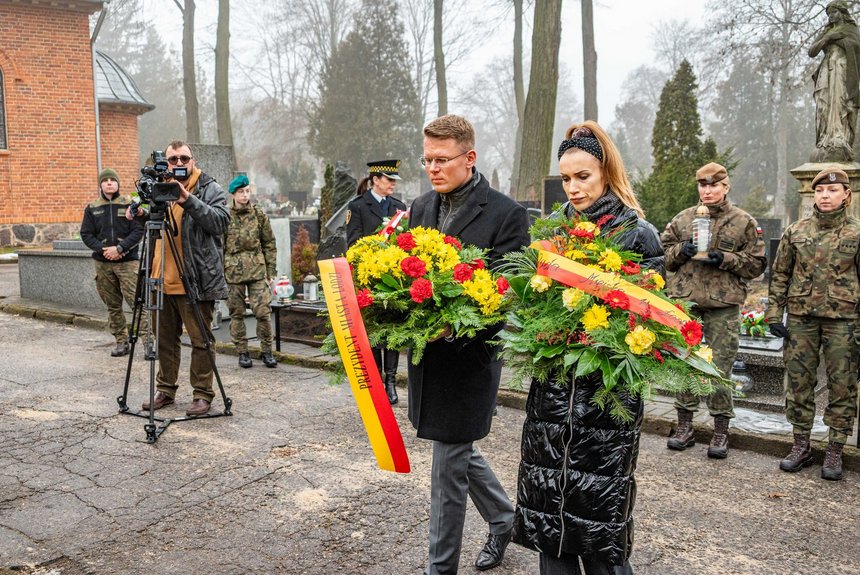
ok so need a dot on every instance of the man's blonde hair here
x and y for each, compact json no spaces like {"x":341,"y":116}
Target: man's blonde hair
{"x":453,"y":127}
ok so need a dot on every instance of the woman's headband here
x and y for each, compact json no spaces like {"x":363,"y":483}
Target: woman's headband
{"x":582,"y":139}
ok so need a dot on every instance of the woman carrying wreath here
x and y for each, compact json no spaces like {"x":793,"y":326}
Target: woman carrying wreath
{"x":576,"y":488}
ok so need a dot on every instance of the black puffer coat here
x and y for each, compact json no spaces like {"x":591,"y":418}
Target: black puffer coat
{"x":576,"y":489}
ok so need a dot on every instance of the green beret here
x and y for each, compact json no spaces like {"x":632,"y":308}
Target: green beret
{"x":831,"y":175}
{"x":239,"y":181}
{"x":108,"y":173}
{"x":711,"y":173}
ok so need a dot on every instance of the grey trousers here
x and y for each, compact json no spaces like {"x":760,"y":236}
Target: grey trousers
{"x":459,"y":470}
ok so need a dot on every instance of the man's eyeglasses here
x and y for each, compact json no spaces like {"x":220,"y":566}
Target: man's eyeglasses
{"x":176,"y":159}
{"x":439,"y":161}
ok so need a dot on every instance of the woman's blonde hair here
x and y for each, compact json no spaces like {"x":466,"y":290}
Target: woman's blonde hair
{"x":613,"y":165}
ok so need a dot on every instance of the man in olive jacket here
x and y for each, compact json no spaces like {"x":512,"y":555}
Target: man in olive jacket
{"x":452,"y":391}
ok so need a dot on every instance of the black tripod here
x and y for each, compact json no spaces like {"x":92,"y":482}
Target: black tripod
{"x":149,"y":298}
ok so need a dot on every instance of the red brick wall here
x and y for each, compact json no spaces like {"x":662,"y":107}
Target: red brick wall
{"x":49,"y":172}
{"x":120,"y":148}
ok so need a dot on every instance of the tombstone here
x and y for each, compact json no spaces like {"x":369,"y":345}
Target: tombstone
{"x":553,"y":193}
{"x":217,"y":161}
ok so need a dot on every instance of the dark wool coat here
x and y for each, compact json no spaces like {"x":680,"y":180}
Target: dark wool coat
{"x":104,"y":225}
{"x":365,"y":216}
{"x":576,"y":489}
{"x":452,"y":391}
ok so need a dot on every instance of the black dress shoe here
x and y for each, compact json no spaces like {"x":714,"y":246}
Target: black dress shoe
{"x":120,"y":349}
{"x":494,"y":551}
{"x":245,"y":360}
{"x":391,"y":387}
{"x":268,"y":360}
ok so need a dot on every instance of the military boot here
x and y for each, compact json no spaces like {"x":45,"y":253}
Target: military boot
{"x":391,"y":387}
{"x":800,"y":455}
{"x":683,"y":436}
{"x":832,"y":468}
{"x":719,"y":447}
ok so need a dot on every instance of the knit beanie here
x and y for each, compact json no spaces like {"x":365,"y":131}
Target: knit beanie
{"x":108,"y":173}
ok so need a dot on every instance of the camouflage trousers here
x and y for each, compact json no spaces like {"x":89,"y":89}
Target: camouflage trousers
{"x":835,"y":339}
{"x":177,"y":312}
{"x":116,"y":281}
{"x":721,"y":329}
{"x":260,"y":298}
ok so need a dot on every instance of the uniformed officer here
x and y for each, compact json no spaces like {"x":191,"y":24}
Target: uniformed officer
{"x":717,"y":285}
{"x":250,"y":256}
{"x":815,"y":278}
{"x":374,"y":203}
{"x":114,"y":241}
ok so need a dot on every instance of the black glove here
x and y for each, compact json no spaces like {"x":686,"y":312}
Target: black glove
{"x":688,"y":249}
{"x":778,"y":329}
{"x":715,"y":258}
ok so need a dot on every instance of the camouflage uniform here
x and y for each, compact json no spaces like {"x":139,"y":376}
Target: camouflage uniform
{"x":717,"y":291}
{"x":815,"y":278}
{"x":249,"y":258}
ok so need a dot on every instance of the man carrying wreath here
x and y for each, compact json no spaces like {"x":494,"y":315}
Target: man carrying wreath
{"x":452,"y":390}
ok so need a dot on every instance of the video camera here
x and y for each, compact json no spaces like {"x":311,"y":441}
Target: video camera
{"x":155,"y":186}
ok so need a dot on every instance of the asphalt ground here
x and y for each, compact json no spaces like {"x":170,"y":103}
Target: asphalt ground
{"x":288,"y":484}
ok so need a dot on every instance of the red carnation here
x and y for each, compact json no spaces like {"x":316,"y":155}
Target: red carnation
{"x":454,"y":242}
{"x":413,"y":266}
{"x":582,"y":234}
{"x":364,"y":297}
{"x":406,"y":242}
{"x":478,"y":264}
{"x":421,"y":289}
{"x":631,"y":268}
{"x":502,"y":284}
{"x":692,"y":332}
{"x":463,"y":272}
{"x":617,"y":299}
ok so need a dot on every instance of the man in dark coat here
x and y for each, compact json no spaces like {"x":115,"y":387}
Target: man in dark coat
{"x":452,"y":391}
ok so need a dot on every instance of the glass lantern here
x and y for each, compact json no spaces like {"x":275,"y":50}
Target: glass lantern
{"x":702,"y":231}
{"x":310,"y":286}
{"x":283,"y":289}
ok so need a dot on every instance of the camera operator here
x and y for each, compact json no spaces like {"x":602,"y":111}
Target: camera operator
{"x":198,"y":220}
{"x":114,"y":243}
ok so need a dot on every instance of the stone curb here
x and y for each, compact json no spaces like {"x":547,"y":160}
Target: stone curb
{"x":774,"y":445}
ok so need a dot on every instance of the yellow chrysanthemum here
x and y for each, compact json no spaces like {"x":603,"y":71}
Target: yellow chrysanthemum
{"x":657,"y":279}
{"x":640,"y":340}
{"x":575,"y":255}
{"x":596,"y":317}
{"x":540,"y":283}
{"x":571,"y":297}
{"x":706,"y":353}
{"x":483,"y":290}
{"x":610,"y":260}
{"x":591,"y":246}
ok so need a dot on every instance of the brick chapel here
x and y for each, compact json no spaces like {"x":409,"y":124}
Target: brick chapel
{"x":49,"y":149}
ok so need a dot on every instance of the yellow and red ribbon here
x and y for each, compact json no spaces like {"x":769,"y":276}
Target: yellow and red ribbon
{"x":361,"y":370}
{"x":598,"y":283}
{"x":393,"y":223}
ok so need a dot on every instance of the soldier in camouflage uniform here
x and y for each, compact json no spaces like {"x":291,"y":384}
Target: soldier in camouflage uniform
{"x":114,"y":240}
{"x":815,"y":278}
{"x":717,"y":285}
{"x":249,"y":264}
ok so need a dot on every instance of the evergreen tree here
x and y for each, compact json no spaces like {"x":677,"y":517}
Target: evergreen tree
{"x":678,"y":150}
{"x":369,"y":107}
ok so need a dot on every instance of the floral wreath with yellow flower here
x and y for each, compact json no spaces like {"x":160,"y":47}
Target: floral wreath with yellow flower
{"x":418,"y":284}
{"x":557,"y":330}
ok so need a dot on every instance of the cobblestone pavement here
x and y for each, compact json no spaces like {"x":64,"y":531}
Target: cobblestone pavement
{"x":288,"y":483}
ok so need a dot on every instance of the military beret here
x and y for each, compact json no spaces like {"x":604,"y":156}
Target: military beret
{"x":711,"y":173}
{"x":239,"y":181}
{"x":108,"y":173}
{"x":832,"y":175}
